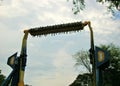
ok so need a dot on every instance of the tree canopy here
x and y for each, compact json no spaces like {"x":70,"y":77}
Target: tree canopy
{"x":79,"y":5}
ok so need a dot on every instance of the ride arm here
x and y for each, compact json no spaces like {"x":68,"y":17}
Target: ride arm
{"x":23,"y":59}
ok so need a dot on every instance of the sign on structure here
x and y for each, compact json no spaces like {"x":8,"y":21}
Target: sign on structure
{"x":101,"y":57}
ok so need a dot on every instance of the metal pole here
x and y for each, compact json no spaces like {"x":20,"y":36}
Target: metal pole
{"x":93,"y":53}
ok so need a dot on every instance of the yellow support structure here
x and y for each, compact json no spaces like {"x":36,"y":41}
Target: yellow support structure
{"x":23,"y":59}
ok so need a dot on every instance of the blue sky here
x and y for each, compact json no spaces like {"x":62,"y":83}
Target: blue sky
{"x":50,"y":61}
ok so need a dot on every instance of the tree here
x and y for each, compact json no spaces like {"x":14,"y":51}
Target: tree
{"x":82,"y":80}
{"x":2,"y":78}
{"x":79,"y":5}
{"x":82,"y":58}
{"x":111,"y":75}
{"x":114,"y":52}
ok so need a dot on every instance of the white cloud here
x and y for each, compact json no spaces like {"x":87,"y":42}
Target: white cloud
{"x":62,"y":58}
{"x":13,"y":9}
{"x":54,"y":80}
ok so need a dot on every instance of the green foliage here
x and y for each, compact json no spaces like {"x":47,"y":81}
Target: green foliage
{"x":111,"y":75}
{"x":113,"y":5}
{"x":114,"y":52}
{"x":78,"y":5}
{"x":2,"y":78}
{"x":81,"y":80}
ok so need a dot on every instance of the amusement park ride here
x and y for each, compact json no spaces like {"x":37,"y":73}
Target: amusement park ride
{"x":18,"y":63}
